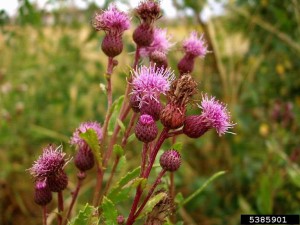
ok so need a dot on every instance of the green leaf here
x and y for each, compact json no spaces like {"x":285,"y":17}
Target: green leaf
{"x":109,"y":211}
{"x":177,"y":146}
{"x":118,"y":150}
{"x":136,"y":182}
{"x":131,"y":138}
{"x":90,"y":136}
{"x":179,"y":198}
{"x":85,"y":216}
{"x":294,"y":175}
{"x":264,"y":198}
{"x":200,"y":189}
{"x":119,"y":193}
{"x":151,"y":203}
{"x":121,"y":124}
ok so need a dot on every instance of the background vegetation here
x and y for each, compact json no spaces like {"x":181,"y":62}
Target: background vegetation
{"x":51,"y":66}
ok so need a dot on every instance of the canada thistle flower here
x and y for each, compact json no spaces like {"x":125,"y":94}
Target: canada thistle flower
{"x":214,"y":115}
{"x":161,"y":42}
{"x":111,"y":21}
{"x":150,"y":82}
{"x":77,"y":140}
{"x":50,"y":163}
{"x":194,"y":45}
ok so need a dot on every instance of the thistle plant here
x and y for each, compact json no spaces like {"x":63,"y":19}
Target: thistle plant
{"x":153,"y":120}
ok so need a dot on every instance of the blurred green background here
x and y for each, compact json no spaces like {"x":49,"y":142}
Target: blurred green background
{"x":51,"y":66}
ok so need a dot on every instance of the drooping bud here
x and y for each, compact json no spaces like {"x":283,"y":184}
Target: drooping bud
{"x":58,"y":183}
{"x":146,"y":129}
{"x":159,"y":58}
{"x":170,"y":160}
{"x":42,"y":193}
{"x":143,"y":35}
{"x":112,"y":45}
{"x":134,"y":102}
{"x":151,"y":107}
{"x":84,"y":159}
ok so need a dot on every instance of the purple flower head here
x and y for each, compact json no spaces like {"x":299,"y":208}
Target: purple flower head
{"x":161,"y":43}
{"x":77,"y":140}
{"x":50,"y":163}
{"x":195,"y":46}
{"x":215,"y":114}
{"x":111,"y":21}
{"x":149,"y":11}
{"x":149,"y":82}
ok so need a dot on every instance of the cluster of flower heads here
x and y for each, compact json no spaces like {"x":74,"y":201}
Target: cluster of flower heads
{"x":48,"y":171}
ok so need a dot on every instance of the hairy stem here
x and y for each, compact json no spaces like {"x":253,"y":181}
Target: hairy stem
{"x":157,"y":181}
{"x":60,"y":207}
{"x":96,"y":198}
{"x":144,"y":157}
{"x":112,"y":173}
{"x":81,"y":175}
{"x":44,"y":214}
{"x":154,"y":151}
{"x":128,"y":130}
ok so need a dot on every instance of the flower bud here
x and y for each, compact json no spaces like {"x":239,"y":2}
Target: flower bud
{"x":58,"y":183}
{"x":112,"y":45}
{"x":146,"y":129}
{"x":143,"y":35}
{"x":152,"y":108}
{"x":42,"y":193}
{"x":120,"y":219}
{"x":170,"y":160}
{"x":195,"y":126}
{"x":84,"y":159}
{"x":186,"y":64}
{"x":172,"y":116}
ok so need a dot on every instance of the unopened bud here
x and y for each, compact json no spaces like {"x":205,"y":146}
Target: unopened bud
{"x":159,"y":58}
{"x":84,"y":159}
{"x":146,"y":129}
{"x":42,"y":193}
{"x":170,"y":160}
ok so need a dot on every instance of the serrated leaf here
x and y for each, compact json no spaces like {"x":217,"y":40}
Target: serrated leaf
{"x":109,"y":211}
{"x":115,"y":110}
{"x":118,"y":150}
{"x":151,"y":203}
{"x":85,"y":216}
{"x":118,"y":194}
{"x":177,"y":146}
{"x":136,"y":182}
{"x":121,"y":124}
{"x":91,"y":138}
{"x":200,"y":189}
